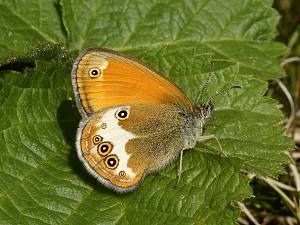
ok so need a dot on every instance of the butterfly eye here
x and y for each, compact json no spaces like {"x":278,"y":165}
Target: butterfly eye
{"x":104,"y":148}
{"x":122,"y":114}
{"x":97,"y":139}
{"x":94,"y":72}
{"x":111,"y":162}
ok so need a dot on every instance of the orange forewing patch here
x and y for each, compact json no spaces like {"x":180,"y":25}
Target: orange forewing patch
{"x":122,"y":81}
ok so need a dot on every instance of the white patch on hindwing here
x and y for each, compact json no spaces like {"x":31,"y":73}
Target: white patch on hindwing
{"x":117,"y":136}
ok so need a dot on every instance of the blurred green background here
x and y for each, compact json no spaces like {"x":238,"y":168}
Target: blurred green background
{"x":279,"y":203}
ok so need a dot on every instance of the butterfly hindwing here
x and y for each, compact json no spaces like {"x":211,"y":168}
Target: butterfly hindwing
{"x":120,"y":145}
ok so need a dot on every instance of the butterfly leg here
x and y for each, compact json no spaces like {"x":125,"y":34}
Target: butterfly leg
{"x":201,"y":138}
{"x":180,"y":166}
{"x":212,"y":136}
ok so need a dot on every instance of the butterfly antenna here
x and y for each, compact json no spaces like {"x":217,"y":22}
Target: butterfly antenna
{"x":222,"y":92}
{"x":204,"y":89}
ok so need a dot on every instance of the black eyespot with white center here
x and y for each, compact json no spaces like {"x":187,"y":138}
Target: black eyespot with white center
{"x":104,"y":148}
{"x":94,"y":72}
{"x":122,"y":114}
{"x":97,"y":139}
{"x":111,"y":162}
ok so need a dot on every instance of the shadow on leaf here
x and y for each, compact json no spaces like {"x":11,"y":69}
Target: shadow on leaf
{"x":68,"y":118}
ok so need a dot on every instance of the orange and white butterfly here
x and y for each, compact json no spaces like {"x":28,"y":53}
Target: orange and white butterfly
{"x":134,"y":121}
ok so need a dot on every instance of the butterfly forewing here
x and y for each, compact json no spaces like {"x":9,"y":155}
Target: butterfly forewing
{"x":102,"y":79}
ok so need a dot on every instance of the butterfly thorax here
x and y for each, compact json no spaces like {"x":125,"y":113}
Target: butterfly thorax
{"x":200,"y":115}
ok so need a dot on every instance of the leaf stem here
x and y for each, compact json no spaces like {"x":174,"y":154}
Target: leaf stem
{"x":295,"y":175}
{"x":291,"y":101}
{"x":279,"y":191}
{"x":282,"y":185}
{"x":248,"y":213}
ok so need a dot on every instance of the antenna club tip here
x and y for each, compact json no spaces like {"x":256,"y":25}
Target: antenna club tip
{"x":236,"y":86}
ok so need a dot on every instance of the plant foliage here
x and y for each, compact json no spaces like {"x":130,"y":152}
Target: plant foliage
{"x":41,"y":179}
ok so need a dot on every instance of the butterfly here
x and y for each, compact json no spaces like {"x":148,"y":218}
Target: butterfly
{"x":134,"y":121}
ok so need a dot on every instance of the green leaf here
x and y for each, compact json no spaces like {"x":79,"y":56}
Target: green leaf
{"x":236,"y":30}
{"x":134,"y":24}
{"x":25,"y":24}
{"x":41,"y":179}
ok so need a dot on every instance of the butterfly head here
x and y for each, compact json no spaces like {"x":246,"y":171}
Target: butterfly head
{"x":203,"y":112}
